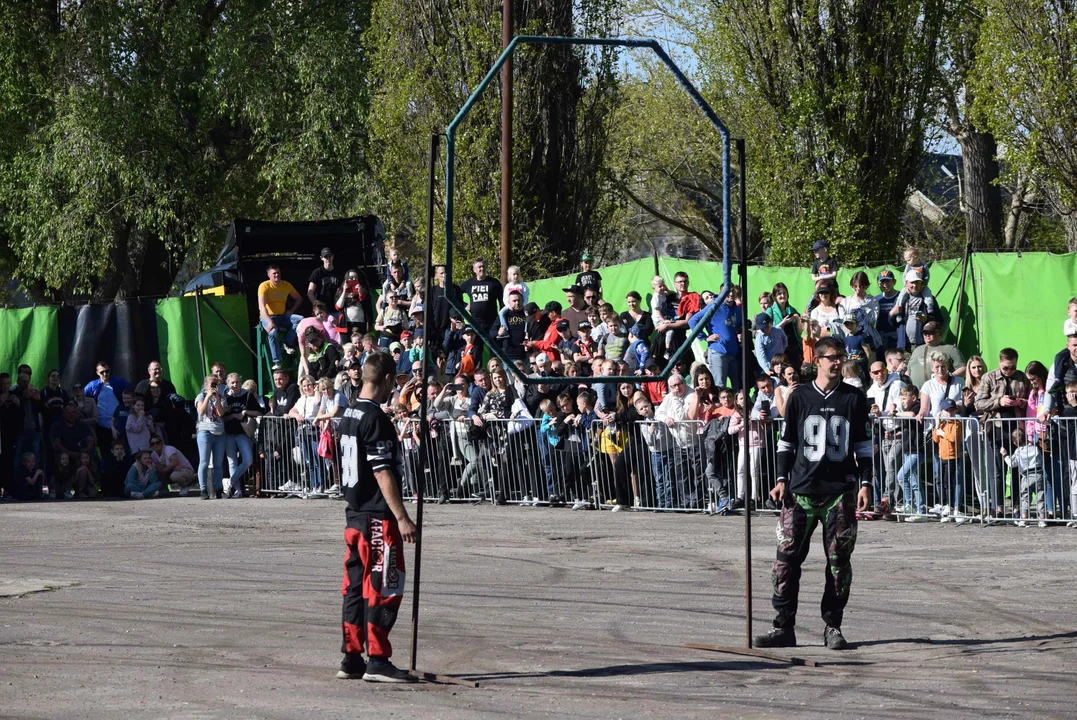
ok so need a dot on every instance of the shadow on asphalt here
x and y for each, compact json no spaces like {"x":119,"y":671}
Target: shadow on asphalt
{"x":968,"y":642}
{"x":635,"y":669}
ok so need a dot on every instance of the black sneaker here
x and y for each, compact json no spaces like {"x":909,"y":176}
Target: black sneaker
{"x":351,"y":668}
{"x":443,"y":497}
{"x":500,"y":499}
{"x":205,"y":494}
{"x":776,"y":638}
{"x":833,"y":638}
{"x":386,"y":672}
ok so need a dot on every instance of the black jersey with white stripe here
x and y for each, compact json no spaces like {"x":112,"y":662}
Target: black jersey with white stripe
{"x":368,"y":443}
{"x":826,"y":441}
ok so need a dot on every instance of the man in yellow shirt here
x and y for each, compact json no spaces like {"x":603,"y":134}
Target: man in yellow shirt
{"x":277,"y":303}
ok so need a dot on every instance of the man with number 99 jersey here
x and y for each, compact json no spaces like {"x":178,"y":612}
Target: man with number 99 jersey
{"x":824,"y":477}
{"x":377,"y":526}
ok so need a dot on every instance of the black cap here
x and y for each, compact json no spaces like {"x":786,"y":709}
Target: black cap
{"x":584,"y":325}
{"x":349,"y":364}
{"x":531,"y":308}
{"x":563,"y":325}
{"x":553,"y":306}
{"x":312,"y":332}
{"x":574,"y":289}
{"x":326,"y":251}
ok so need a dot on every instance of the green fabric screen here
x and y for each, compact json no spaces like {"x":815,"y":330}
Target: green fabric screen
{"x":1020,"y":301}
{"x":177,"y":332}
{"x":29,"y":336}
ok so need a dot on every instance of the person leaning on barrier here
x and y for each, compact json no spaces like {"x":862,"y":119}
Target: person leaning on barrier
{"x":1067,"y":426}
{"x":884,"y":396}
{"x":1001,"y":396}
{"x":1063,"y":370}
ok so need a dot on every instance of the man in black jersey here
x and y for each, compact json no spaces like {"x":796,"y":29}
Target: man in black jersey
{"x":824,"y":455}
{"x":377,"y":527}
{"x":484,"y":296}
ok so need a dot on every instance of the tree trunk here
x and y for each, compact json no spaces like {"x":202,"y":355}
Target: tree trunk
{"x":1020,"y":197}
{"x":983,"y":198}
{"x":1069,"y":222}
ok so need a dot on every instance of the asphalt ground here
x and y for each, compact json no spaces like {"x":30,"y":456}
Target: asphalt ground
{"x":182,"y":608}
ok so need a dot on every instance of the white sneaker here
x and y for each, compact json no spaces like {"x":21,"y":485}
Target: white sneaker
{"x":917,"y":518}
{"x":618,"y":508}
{"x":961,"y":518}
{"x":335,"y":490}
{"x":947,"y":511}
{"x":711,"y":509}
{"x":581,"y":505}
{"x":946,"y":518}
{"x":936,"y":509}
{"x":1042,"y":524}
{"x":289,"y":486}
{"x":184,"y":491}
{"x":1072,"y":524}
{"x":527,"y":500}
{"x":288,"y":349}
{"x":636,"y":502}
{"x":1021,"y":523}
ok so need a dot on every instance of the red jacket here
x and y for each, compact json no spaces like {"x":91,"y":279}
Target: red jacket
{"x":548,"y":343}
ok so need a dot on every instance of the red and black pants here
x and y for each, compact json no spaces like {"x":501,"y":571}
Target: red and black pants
{"x":373,"y":585}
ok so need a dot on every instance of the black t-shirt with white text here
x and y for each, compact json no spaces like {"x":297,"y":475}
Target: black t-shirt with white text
{"x":591,"y":277}
{"x":236,"y":404}
{"x":326,"y":285}
{"x":485,"y":299}
{"x":368,"y":444}
{"x":516,"y":327}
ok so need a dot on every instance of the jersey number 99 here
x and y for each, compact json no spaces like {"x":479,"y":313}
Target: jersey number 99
{"x":826,"y":438}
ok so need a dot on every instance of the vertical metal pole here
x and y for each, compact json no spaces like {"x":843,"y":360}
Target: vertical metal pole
{"x":746,"y":472}
{"x":424,"y":424}
{"x":201,"y":339}
{"x":506,"y":141}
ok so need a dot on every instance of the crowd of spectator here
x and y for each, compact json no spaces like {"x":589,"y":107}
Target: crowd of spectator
{"x":109,"y":437}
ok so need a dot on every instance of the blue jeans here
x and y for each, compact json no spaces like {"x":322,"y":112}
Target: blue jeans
{"x":910,"y":481}
{"x":240,"y":445}
{"x":210,"y":445}
{"x":723,"y":368}
{"x":949,"y":476}
{"x":307,"y":437}
{"x":28,"y":441}
{"x":662,"y":484}
{"x":547,"y":467}
{"x":147,"y":491}
{"x":274,"y":325}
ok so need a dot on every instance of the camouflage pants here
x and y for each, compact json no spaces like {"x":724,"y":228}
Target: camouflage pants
{"x":796,"y":524}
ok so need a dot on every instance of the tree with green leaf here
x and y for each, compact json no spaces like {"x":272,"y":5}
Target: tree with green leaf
{"x":132,"y":133}
{"x":1026,"y":88}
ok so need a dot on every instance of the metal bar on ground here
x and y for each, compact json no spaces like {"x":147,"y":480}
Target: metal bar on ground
{"x":753,"y":652}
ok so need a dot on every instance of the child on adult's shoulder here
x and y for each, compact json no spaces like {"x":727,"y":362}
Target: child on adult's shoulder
{"x":1070,"y":326}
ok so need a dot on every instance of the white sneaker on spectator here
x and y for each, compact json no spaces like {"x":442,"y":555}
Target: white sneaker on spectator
{"x":1072,"y":524}
{"x":636,"y":502}
{"x":289,"y":486}
{"x":527,"y":500}
{"x":1042,"y":524}
{"x":335,"y":490}
{"x":711,"y":508}
{"x":961,"y":518}
{"x":917,"y":518}
{"x":618,"y":508}
{"x":276,"y":367}
{"x":946,"y":518}
{"x":581,"y":505}
{"x":936,"y":509}
{"x":1021,"y":523}
{"x":947,"y":511}
{"x":288,"y":349}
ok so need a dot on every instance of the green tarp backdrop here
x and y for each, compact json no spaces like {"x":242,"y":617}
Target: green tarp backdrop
{"x":1015,"y":300}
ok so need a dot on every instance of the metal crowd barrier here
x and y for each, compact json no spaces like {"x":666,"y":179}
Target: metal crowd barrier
{"x":287,"y":453}
{"x":967,"y":468}
{"x":957,"y":470}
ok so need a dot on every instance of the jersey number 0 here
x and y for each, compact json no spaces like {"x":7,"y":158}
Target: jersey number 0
{"x":349,"y":461}
{"x":829,"y":438}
